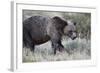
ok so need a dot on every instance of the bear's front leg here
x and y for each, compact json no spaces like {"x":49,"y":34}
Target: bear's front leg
{"x":61,"y":47}
{"x":56,"y":45}
{"x":56,"y":40}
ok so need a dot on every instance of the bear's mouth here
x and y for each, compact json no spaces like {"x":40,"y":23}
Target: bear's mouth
{"x":73,"y":38}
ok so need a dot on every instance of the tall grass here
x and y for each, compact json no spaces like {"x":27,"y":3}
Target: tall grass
{"x":78,"y":49}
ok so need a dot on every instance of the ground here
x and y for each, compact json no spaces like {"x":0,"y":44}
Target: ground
{"x":78,"y":49}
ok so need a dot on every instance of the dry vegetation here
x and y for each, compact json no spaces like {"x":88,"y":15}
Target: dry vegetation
{"x":74,"y":50}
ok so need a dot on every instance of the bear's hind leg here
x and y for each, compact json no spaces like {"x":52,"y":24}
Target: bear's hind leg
{"x":28,"y":41}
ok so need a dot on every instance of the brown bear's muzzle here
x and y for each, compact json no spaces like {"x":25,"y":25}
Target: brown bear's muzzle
{"x":73,"y":36}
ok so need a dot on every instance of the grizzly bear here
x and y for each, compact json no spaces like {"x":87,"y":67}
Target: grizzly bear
{"x":40,"y":29}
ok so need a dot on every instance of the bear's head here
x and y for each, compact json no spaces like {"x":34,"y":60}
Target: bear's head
{"x":68,"y":27}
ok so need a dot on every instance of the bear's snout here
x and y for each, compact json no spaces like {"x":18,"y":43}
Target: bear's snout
{"x":74,"y":36}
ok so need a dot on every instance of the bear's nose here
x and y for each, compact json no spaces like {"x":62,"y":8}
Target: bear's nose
{"x":73,"y":38}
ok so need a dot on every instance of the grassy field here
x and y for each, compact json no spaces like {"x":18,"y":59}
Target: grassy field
{"x":78,"y":49}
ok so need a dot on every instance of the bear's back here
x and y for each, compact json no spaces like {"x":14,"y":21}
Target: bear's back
{"x":37,"y":28}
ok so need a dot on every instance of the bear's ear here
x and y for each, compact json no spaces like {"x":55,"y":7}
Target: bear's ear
{"x":75,"y":23}
{"x":57,"y":18}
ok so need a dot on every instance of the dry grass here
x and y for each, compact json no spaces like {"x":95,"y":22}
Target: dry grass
{"x":78,"y":49}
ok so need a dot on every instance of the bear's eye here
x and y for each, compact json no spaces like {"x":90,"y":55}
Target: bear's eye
{"x":70,"y":31}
